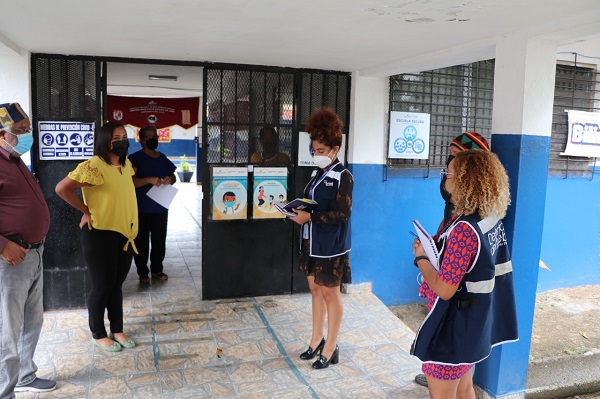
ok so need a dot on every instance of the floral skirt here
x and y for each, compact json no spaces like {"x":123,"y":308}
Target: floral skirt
{"x":328,"y":272}
{"x":445,"y":372}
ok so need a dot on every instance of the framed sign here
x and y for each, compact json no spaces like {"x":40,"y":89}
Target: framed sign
{"x":409,"y":135}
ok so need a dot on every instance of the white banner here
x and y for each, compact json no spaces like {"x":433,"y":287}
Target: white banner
{"x":66,"y":140}
{"x":409,"y":135}
{"x":584,"y":134}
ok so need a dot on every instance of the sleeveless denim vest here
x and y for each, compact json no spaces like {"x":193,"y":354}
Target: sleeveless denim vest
{"x":482,"y":312}
{"x":328,"y":240}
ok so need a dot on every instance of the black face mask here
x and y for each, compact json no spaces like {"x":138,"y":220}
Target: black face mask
{"x":152,"y":143}
{"x":120,"y":147}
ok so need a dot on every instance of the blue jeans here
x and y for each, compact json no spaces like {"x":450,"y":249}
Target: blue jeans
{"x":21,"y":293}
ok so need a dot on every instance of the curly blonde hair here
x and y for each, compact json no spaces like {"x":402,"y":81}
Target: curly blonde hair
{"x":480,"y":184}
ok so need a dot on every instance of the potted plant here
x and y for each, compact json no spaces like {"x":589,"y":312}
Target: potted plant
{"x":185,"y":170}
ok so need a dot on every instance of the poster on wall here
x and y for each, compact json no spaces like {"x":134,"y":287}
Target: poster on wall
{"x":229,"y":193}
{"x":409,"y":135}
{"x":66,"y":140}
{"x":270,"y":187}
{"x":305,"y":153}
{"x":584,"y":134}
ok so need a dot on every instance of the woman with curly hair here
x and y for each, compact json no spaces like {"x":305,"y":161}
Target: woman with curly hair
{"x":470,"y":297}
{"x":326,"y":235}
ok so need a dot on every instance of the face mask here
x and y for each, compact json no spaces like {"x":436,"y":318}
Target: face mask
{"x":229,"y":204}
{"x":24,"y":143}
{"x":152,"y":144}
{"x":322,"y":161}
{"x":120,"y":147}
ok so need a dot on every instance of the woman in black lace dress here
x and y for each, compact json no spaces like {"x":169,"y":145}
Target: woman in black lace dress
{"x":326,"y":235}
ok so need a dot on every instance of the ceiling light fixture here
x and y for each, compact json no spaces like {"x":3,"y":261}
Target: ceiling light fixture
{"x":162,"y":77}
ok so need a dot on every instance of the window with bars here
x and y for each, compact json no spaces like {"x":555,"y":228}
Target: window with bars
{"x":458,"y":98}
{"x":576,"y":88}
{"x":239,"y":104}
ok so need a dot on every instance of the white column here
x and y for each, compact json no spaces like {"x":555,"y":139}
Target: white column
{"x":368,"y":120}
{"x":524,"y":86}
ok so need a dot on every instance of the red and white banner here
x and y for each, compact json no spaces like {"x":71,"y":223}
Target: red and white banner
{"x":161,"y":113}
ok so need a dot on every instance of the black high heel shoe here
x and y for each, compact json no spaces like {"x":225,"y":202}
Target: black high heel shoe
{"x":323,"y":363}
{"x":310,"y":353}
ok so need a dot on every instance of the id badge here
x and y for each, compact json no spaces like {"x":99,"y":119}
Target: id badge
{"x":305,"y":235}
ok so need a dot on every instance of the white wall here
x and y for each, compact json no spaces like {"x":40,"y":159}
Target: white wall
{"x":368,"y":119}
{"x":15,"y":80}
{"x":588,"y":52}
{"x":15,"y":84}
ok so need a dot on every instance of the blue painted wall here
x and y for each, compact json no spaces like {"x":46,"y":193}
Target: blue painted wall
{"x":571,"y":238}
{"x":383,"y":210}
{"x":382,"y":215}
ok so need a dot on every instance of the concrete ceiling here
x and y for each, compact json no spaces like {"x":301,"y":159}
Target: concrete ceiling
{"x":373,"y":37}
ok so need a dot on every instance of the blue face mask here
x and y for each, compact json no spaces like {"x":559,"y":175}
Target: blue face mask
{"x":24,"y":143}
{"x":228,"y":203}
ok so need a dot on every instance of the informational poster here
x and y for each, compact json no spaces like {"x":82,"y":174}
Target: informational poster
{"x":305,"y":152}
{"x":229,"y":193}
{"x":66,"y":140}
{"x":270,"y":187}
{"x":584,"y":134}
{"x":409,"y":135}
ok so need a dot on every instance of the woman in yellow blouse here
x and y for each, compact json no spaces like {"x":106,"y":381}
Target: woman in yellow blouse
{"x":108,"y":226}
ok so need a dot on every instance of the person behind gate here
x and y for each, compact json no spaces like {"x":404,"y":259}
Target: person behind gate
{"x":470,"y":298}
{"x":325,"y":248}
{"x":24,"y":223}
{"x":108,"y":226}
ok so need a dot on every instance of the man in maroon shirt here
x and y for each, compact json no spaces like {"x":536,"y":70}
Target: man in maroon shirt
{"x":24,"y":223}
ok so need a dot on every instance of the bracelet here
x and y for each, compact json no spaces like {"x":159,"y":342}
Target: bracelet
{"x":417,"y":259}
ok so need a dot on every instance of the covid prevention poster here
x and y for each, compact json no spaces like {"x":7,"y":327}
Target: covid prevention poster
{"x":229,"y":193}
{"x":409,"y":135}
{"x":66,"y":140}
{"x":270,"y":187}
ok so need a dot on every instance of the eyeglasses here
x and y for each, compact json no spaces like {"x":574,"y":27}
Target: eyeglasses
{"x":16,"y":130}
{"x":445,"y":173}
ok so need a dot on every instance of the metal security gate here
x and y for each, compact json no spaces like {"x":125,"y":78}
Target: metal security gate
{"x":64,"y":88}
{"x":252,"y":257}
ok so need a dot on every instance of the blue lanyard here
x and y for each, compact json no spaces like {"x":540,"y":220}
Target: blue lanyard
{"x":315,"y":182}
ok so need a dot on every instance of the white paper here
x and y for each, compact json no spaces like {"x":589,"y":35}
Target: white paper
{"x":162,"y":194}
{"x":428,"y":245}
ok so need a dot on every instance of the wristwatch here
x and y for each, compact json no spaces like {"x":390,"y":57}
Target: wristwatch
{"x":417,"y":259}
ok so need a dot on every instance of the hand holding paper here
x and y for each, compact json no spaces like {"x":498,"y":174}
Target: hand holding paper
{"x":162,"y":194}
{"x":428,"y":244}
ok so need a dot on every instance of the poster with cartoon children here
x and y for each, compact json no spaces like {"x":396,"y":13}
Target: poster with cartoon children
{"x":229,"y":193}
{"x":270,"y":186}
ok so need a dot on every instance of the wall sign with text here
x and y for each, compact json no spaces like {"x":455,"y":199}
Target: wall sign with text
{"x":66,"y":140}
{"x":409,"y":135}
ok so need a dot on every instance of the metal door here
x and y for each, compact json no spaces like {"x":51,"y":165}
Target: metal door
{"x":253,"y":257}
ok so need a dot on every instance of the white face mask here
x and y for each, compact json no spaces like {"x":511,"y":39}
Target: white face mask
{"x":322,"y":161}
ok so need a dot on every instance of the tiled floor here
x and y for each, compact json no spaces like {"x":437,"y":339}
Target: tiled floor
{"x":178,"y":335}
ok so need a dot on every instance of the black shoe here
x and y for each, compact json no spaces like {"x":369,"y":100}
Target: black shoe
{"x":421,"y":380}
{"x":310,"y":353}
{"x":323,"y":363}
{"x":37,"y":385}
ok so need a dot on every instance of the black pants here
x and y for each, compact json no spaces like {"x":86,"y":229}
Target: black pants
{"x":152,"y":229}
{"x":108,"y":266}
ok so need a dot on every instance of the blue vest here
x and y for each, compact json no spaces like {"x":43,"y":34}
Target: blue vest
{"x":328,"y":240}
{"x":482,"y":312}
